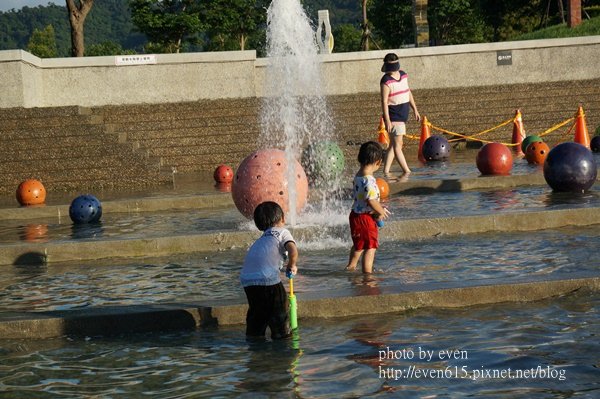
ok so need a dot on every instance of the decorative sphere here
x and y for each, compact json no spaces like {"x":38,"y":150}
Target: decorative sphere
{"x":223,"y":174}
{"x":31,"y":192}
{"x":537,"y":152}
{"x":263,"y":176}
{"x":595,"y":144}
{"x":528,"y":140}
{"x":384,"y":188}
{"x":570,"y":167}
{"x":436,"y":148}
{"x":323,"y":162}
{"x":494,"y":159}
{"x":85,"y":209}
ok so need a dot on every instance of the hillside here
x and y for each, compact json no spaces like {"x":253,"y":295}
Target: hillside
{"x":109,"y":20}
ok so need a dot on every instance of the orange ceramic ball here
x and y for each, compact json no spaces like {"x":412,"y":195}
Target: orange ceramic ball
{"x":263,"y":176}
{"x":537,"y":152}
{"x":384,"y":188}
{"x":31,"y":192}
{"x":223,"y":174}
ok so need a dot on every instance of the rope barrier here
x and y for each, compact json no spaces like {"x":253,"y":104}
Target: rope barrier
{"x":474,"y":137}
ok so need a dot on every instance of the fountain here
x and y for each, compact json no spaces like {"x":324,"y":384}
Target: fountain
{"x":295,"y":112}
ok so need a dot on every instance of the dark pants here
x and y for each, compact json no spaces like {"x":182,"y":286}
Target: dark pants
{"x":268,"y":306}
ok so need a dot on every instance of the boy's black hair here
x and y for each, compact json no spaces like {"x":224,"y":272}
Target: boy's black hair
{"x":267,"y":214}
{"x":369,"y":153}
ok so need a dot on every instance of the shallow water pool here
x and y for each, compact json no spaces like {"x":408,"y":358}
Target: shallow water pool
{"x":206,"y":277}
{"x":553,"y":343}
{"x":147,"y":225}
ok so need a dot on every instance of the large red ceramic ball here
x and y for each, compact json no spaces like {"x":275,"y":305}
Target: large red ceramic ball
{"x":223,"y":174}
{"x":494,"y":159}
{"x":31,"y":192}
{"x":263,"y":176}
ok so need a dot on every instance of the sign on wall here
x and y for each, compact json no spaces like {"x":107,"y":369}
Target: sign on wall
{"x":504,"y":57}
{"x":140,"y":59}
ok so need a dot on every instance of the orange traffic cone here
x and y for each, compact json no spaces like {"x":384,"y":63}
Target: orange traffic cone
{"x":383,"y":137}
{"x":581,"y":133}
{"x":425,"y":134}
{"x":518,"y":133}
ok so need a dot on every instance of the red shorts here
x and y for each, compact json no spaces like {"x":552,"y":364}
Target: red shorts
{"x":364,"y":231}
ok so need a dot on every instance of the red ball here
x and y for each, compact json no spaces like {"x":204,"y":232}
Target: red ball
{"x":384,"y":188}
{"x":223,"y":174}
{"x":537,"y":152}
{"x":263,"y":176}
{"x":31,"y":192}
{"x":494,"y":159}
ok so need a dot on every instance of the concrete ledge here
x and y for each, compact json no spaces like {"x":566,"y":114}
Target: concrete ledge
{"x":150,"y":204}
{"x":410,"y":229}
{"x":120,"y":320}
{"x":201,"y":201}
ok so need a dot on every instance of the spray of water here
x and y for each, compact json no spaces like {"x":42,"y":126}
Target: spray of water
{"x":294,"y":112}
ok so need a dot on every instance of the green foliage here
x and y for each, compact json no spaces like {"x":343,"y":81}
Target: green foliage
{"x":346,"y":38}
{"x":393,"y":25}
{"x":43,"y":43}
{"x":340,"y":11}
{"x":109,"y":20}
{"x":588,"y":27}
{"x":456,"y":22}
{"x":106,"y":48}
{"x":168,"y":23}
{"x":234,"y":24}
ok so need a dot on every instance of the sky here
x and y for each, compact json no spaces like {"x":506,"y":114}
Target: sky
{"x":6,"y":5}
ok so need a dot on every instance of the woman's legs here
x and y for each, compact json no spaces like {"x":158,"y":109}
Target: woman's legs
{"x":398,"y":142}
{"x":395,"y":150}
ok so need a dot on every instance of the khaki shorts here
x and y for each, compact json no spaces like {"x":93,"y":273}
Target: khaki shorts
{"x":399,"y":130}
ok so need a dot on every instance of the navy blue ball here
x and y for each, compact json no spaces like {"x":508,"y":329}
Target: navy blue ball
{"x":595,"y":144}
{"x":436,"y":148}
{"x":85,"y":209}
{"x":570,"y":167}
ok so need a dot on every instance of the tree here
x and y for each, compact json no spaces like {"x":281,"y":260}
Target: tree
{"x":77,"y":14}
{"x":169,"y":24}
{"x":456,"y":22}
{"x":393,"y":22}
{"x":347,"y":38}
{"x":231,"y":23}
{"x":106,"y":48}
{"x":43,"y":43}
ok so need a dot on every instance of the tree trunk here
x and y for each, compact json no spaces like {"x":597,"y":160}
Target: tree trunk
{"x":77,"y":15}
{"x":366,"y":33}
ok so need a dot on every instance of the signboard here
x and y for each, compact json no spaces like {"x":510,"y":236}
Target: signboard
{"x":504,"y":57}
{"x":136,"y":59}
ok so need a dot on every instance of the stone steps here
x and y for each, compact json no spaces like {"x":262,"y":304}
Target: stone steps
{"x":120,"y":146}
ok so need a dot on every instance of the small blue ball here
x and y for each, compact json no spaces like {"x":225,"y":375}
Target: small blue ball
{"x":85,"y":209}
{"x":380,"y":223}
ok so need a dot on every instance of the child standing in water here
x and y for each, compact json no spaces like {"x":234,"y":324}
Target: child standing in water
{"x":366,"y":209}
{"x":396,"y":98}
{"x":267,"y":299}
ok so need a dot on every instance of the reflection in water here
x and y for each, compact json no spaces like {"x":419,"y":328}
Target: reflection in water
{"x":339,"y":358}
{"x":35,"y":233}
{"x":87,"y":230}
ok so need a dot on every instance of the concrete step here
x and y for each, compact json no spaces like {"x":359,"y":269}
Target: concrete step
{"x":53,"y":132}
{"x":211,"y":134}
{"x":9,"y":113}
{"x":214,"y":122}
{"x":74,"y":121}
